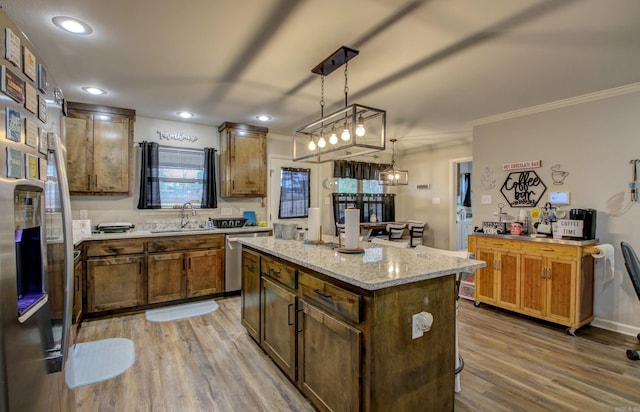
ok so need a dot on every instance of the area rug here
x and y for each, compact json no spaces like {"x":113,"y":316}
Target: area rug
{"x":181,"y":311}
{"x":93,"y":362}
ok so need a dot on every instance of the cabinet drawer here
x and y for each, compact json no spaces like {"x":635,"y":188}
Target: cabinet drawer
{"x":550,"y":250}
{"x":174,"y":243}
{"x":115,"y":247}
{"x":279,"y":271}
{"x":330,"y":297}
{"x":496,"y":243}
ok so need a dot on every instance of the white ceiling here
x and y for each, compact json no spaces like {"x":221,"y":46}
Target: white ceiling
{"x":435,"y":66}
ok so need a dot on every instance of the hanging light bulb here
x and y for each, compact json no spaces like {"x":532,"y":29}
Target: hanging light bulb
{"x":312,"y":145}
{"x":346,"y":136}
{"x":360,"y":130}
{"x":333,"y":138}
{"x":321,"y":142}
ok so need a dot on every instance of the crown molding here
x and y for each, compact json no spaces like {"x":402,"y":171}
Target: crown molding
{"x":558,"y":104}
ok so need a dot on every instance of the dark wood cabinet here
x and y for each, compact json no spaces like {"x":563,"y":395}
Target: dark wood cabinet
{"x":205,"y":272}
{"x":99,"y":150}
{"x":166,"y":278}
{"x":329,"y":359}
{"x":243,"y":160}
{"x":250,"y":297}
{"x":115,"y":283}
{"x":78,"y":287}
{"x":278,"y":331}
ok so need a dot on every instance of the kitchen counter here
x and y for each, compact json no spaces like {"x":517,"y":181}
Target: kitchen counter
{"x":547,"y":239}
{"x":377,"y":268}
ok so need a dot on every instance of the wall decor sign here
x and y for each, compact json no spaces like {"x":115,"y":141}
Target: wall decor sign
{"x":43,"y":143}
{"x":28,"y":63}
{"x":12,"y":85}
{"x":529,"y":164}
{"x":42,"y":109}
{"x":30,"y":98}
{"x":558,"y":175}
{"x":30,"y":133}
{"x":176,"y":136}
{"x":487,"y":179}
{"x":32,"y":167}
{"x":42,"y":78}
{"x":43,"y":168}
{"x":14,"y":163}
{"x":13,"y":124}
{"x":11,"y":47}
{"x":523,"y":189}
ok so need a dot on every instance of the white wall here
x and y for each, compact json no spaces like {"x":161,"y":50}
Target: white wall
{"x":593,"y":138}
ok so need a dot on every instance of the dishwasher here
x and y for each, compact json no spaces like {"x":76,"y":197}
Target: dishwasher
{"x":233,"y":260}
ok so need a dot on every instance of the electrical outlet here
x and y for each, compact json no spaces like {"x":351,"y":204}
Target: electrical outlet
{"x":226,"y":211}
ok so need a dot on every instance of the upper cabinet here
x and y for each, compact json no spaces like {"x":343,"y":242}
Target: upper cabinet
{"x":243,"y":160}
{"x":99,"y":142}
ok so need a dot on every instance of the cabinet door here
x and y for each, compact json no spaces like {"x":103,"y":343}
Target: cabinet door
{"x":79,"y":144}
{"x":486,"y":277}
{"x":114,"y":283}
{"x":77,"y":292}
{"x":204,"y":272}
{"x":533,"y":287}
{"x":250,"y":297}
{"x":166,"y":278}
{"x":560,"y":284}
{"x":329,"y":360}
{"x":247,"y":163}
{"x":278,"y":334}
{"x":111,"y":149}
{"x":509,"y":285}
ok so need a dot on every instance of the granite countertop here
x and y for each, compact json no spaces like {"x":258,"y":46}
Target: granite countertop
{"x":546,"y":239}
{"x":134,"y":234}
{"x":377,"y":268}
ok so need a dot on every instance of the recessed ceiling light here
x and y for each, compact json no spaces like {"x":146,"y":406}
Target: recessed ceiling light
{"x":96,"y":91}
{"x":186,"y":115}
{"x":264,"y":117}
{"x":72,"y":25}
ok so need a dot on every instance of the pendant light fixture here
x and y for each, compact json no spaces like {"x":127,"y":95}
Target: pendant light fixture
{"x":393,"y":176}
{"x":354,"y":130}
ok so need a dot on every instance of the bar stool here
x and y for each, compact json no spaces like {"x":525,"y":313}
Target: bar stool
{"x":396,"y":232}
{"x":416,"y":231}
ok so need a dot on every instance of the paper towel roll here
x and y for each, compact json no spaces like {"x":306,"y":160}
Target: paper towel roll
{"x":606,"y":252}
{"x":351,"y":228}
{"x":314,"y":224}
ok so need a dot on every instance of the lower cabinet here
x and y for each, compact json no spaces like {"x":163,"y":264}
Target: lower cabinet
{"x":278,"y":333}
{"x":115,"y":283}
{"x":78,"y":286}
{"x":329,"y":359}
{"x":167,"y":280}
{"x":205,"y":272}
{"x":250,"y":297}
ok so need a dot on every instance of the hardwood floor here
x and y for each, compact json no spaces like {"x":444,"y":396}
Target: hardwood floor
{"x":209,"y":363}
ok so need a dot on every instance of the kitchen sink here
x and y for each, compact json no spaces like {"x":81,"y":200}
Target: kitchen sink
{"x":174,"y":230}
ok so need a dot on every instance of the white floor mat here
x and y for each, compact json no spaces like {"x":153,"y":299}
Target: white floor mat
{"x":93,"y":362}
{"x":181,"y":311}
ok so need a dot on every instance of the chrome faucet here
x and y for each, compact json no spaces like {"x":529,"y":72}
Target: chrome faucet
{"x":185,"y":219}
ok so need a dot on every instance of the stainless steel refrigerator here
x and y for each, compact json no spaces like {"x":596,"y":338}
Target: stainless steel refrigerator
{"x":35,"y":232}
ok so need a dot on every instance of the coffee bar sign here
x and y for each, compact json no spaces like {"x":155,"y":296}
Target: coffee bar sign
{"x":523,"y":189}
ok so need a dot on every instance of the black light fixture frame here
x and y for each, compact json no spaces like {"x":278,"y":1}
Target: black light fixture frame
{"x":335,"y":60}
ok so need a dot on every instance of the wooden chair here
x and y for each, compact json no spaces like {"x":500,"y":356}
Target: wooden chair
{"x":416,"y":231}
{"x":396,"y":232}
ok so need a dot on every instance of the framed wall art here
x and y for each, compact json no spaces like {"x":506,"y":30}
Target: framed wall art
{"x":42,"y":109}
{"x":13,"y":124}
{"x":32,"y":170}
{"x":42,"y":78}
{"x":12,"y":85}
{"x":43,"y":142}
{"x":11,"y":47}
{"x":30,"y":133}
{"x":30,"y":98}
{"x":28,"y":63}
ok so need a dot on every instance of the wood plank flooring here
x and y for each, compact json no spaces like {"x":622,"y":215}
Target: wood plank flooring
{"x":209,"y":363}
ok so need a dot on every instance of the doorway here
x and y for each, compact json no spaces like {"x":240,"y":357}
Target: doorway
{"x":460,"y":214}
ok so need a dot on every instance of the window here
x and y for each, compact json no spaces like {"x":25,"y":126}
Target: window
{"x":180,"y":174}
{"x":171,"y":176}
{"x":295,"y":189}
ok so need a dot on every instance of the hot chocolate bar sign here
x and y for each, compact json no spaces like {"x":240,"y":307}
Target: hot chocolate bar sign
{"x":523,"y":189}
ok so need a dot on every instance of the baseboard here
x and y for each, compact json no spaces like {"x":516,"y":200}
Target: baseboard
{"x":615,"y":326}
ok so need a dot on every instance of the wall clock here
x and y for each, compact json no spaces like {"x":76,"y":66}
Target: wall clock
{"x":329,"y":183}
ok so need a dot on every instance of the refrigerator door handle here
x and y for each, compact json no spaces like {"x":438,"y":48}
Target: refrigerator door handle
{"x":57,"y":362}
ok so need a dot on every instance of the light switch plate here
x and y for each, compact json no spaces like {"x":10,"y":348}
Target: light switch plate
{"x":486,"y":199}
{"x":226,"y":211}
{"x":435,"y":201}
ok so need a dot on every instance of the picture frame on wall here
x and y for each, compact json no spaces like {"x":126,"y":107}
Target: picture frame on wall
{"x":30,"y":98}
{"x":42,"y":78}
{"x":42,"y":109}
{"x":32,"y":169}
{"x":11,"y":84}
{"x":15,"y":163}
{"x":43,"y":169}
{"x":13,"y":124}
{"x":43,"y":142}
{"x":30,"y":133}
{"x":11,"y":47}
{"x":28,"y":63}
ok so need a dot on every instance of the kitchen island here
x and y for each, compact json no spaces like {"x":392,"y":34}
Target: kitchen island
{"x":341,"y":326}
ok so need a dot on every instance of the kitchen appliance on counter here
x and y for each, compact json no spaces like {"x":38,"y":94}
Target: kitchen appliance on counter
{"x":115,"y":227}
{"x":233,"y":260}
{"x":229,"y":222}
{"x":36,"y":240}
{"x":588,"y":217}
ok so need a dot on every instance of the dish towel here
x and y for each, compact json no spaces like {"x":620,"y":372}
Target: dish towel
{"x":606,"y":252}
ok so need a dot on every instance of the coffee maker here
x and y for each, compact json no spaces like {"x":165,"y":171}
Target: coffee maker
{"x":588,"y":217}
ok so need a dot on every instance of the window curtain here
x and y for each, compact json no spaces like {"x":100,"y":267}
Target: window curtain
{"x":149,"y":183}
{"x":209,"y":199}
{"x":295,"y":191}
{"x":466,"y":189}
{"x":357,"y":170}
{"x":382,"y":205}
